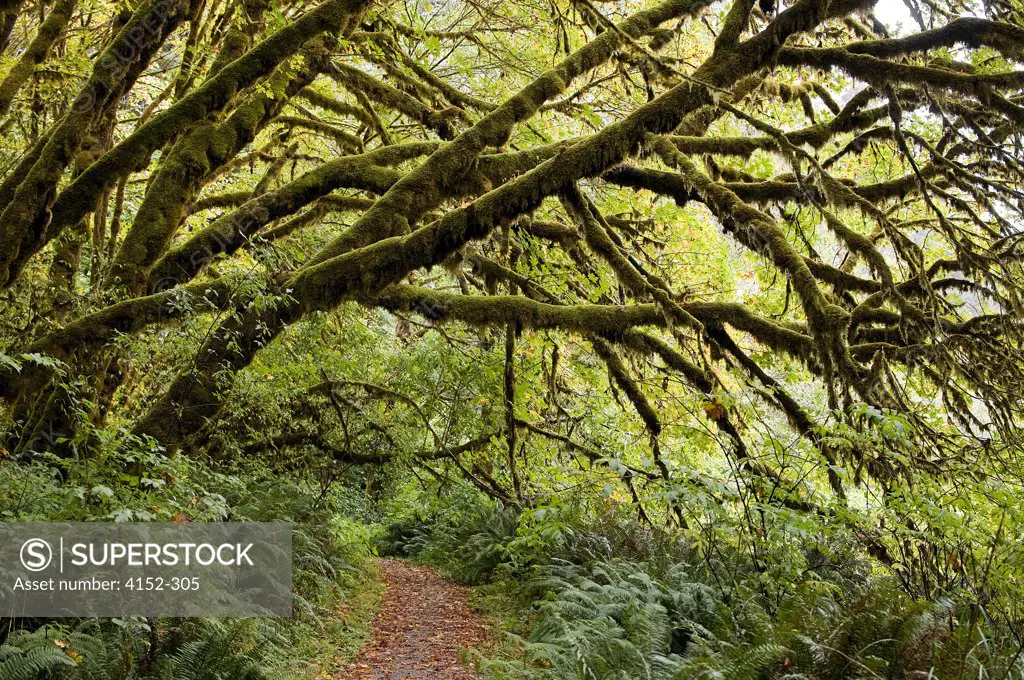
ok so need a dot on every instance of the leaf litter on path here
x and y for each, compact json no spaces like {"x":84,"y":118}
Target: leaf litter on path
{"x":422,"y":625}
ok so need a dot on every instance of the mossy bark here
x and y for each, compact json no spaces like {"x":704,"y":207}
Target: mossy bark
{"x":191,"y":160}
{"x":230,"y":232}
{"x":8,"y":18}
{"x":26,"y":227}
{"x":90,"y":332}
{"x":196,"y":396}
{"x":423,"y":188}
{"x":35,"y":53}
{"x":25,"y":222}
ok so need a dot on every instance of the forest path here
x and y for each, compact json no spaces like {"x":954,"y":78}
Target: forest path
{"x":422,"y":624}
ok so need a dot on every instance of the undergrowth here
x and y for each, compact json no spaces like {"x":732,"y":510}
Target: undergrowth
{"x":332,"y":595}
{"x":599,"y":596}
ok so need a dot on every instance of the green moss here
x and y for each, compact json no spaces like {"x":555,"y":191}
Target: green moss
{"x":336,"y":274}
{"x":134,"y":151}
{"x":232,"y":231}
{"x":190,"y":161}
{"x":25,"y":225}
{"x":35,"y":53}
{"x":496,"y":310}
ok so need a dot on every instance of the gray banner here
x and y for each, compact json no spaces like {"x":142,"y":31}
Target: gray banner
{"x":76,"y":569}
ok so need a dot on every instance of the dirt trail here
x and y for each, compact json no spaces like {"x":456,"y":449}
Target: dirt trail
{"x":422,"y":624}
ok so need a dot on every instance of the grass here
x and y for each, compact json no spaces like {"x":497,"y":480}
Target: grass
{"x":348,"y":629}
{"x":506,"y":611}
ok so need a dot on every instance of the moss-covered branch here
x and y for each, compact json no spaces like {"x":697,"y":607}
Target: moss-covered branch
{"x":422,"y":189}
{"x":359,"y":81}
{"x":92,"y":331}
{"x":316,"y":441}
{"x":196,"y":396}
{"x":35,"y":53}
{"x":37,"y":192}
{"x":815,"y":135}
{"x":30,"y":189}
{"x":882,"y":72}
{"x":192,"y":159}
{"x":230,"y":232}
{"x":967,"y":31}
{"x":494,"y":310}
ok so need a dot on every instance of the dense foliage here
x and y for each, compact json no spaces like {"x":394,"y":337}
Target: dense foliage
{"x":330,"y":552}
{"x":606,"y":597}
{"x":699,"y":323}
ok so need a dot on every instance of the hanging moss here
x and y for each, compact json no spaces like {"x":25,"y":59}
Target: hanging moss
{"x":1002,"y":36}
{"x":883,"y":72}
{"x":816,"y":135}
{"x":861,"y":329}
{"x":620,"y":377}
{"x":359,"y":81}
{"x":336,"y":275}
{"x":423,"y":188}
{"x":452,"y":94}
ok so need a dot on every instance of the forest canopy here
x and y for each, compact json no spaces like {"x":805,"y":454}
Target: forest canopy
{"x":750,"y":272}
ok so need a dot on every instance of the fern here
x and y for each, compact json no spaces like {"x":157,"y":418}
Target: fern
{"x":30,"y":655}
{"x":250,"y":649}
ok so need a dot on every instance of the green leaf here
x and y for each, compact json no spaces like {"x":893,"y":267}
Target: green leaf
{"x":102,"y":491}
{"x":10,"y":362}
